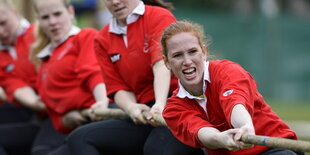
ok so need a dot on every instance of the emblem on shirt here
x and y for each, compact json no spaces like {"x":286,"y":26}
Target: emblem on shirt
{"x":9,"y":68}
{"x":146,"y":47}
{"x":65,"y":51}
{"x":44,"y":75}
{"x":115,"y":57}
{"x":228,"y":92}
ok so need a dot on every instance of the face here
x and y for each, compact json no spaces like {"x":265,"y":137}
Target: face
{"x":9,"y":22}
{"x":54,"y":18}
{"x":120,"y":9}
{"x":186,"y":59}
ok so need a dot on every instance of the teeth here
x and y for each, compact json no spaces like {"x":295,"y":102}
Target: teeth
{"x":188,"y":71}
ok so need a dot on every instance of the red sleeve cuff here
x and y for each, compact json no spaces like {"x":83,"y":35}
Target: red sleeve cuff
{"x":94,"y":80}
{"x":57,"y":123}
{"x":12,"y":88}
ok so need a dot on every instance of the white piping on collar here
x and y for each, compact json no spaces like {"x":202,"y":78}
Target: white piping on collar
{"x":184,"y":93}
{"x":131,"y":18}
{"x":48,"y":49}
{"x":23,"y":25}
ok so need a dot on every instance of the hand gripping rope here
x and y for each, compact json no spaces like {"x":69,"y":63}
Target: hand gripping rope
{"x":273,"y":142}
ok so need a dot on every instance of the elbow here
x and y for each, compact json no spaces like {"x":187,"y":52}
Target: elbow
{"x":208,"y":136}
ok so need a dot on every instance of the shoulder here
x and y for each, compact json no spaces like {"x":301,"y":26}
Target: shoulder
{"x":223,"y":66}
{"x":157,"y":11}
{"x":105,"y":29}
{"x":86,"y":34}
{"x":103,"y":33}
{"x":30,"y":29}
{"x":225,"y":70}
{"x":29,"y":33}
{"x":175,"y":101}
{"x":88,"y":31}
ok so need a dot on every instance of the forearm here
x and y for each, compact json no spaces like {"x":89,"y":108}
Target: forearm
{"x":240,"y":117}
{"x":208,"y":136}
{"x":2,"y":95}
{"x":214,"y":139}
{"x":28,"y":98}
{"x":100,"y":94}
{"x":162,"y":77}
{"x":124,"y":99}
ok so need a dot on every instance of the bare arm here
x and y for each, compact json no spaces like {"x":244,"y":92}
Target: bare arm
{"x":127,"y":101}
{"x":102,"y":101}
{"x":229,"y":139}
{"x":100,"y":95}
{"x":241,"y":119}
{"x":28,"y":98}
{"x":162,"y":77}
{"x":214,"y":139}
{"x":74,"y":118}
{"x":2,"y":95}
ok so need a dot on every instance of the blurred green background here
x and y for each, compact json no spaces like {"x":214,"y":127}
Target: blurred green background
{"x":269,"y":38}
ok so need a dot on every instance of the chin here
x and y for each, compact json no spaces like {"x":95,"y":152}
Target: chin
{"x":190,"y":82}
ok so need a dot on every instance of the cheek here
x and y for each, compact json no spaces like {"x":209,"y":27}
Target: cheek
{"x":43,"y":24}
{"x":66,"y":20}
{"x":44,"y":28}
{"x":175,"y":66}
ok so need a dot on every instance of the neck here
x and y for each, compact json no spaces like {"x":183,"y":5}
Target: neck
{"x":196,"y":90}
{"x":122,"y":22}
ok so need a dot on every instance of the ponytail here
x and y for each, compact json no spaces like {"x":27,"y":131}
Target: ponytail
{"x":160,"y":3}
{"x":41,"y":40}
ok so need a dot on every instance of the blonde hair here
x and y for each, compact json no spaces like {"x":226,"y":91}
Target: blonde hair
{"x":65,"y":2}
{"x":160,"y":3}
{"x":183,"y":26}
{"x":7,"y":4}
{"x":41,"y":39}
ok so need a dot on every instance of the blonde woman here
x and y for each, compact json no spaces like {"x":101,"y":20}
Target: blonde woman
{"x":17,"y":78}
{"x":69,"y":77}
{"x":130,"y":57}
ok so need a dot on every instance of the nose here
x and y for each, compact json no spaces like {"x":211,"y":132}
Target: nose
{"x":115,"y":2}
{"x":187,"y":60}
{"x":1,"y":30}
{"x":52,"y":20}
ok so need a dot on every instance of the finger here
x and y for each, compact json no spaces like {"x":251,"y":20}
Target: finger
{"x":148,"y":116}
{"x":245,"y":146}
{"x":233,"y":149}
{"x":237,"y":136}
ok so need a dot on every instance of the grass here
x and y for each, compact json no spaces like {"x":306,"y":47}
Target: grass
{"x":291,"y":110}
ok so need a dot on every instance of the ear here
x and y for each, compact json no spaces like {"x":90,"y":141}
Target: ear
{"x":14,"y":10}
{"x":166,"y":62}
{"x":71,"y":11}
{"x":204,"y":51}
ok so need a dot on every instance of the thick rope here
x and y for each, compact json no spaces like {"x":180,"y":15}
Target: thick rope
{"x":295,"y":145}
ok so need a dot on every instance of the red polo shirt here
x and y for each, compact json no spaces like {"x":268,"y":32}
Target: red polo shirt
{"x":229,"y":85}
{"x":130,"y":68}
{"x":19,"y":72}
{"x":68,"y":77}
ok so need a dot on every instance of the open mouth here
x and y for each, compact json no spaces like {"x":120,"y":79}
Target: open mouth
{"x":119,"y":10}
{"x":54,"y":31}
{"x":5,"y":40}
{"x":189,"y":73}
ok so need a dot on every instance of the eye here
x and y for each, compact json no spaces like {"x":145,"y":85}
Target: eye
{"x":176,"y":55}
{"x":192,"y":51}
{"x":44,"y":17}
{"x":2,"y":23}
{"x":57,"y":14}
